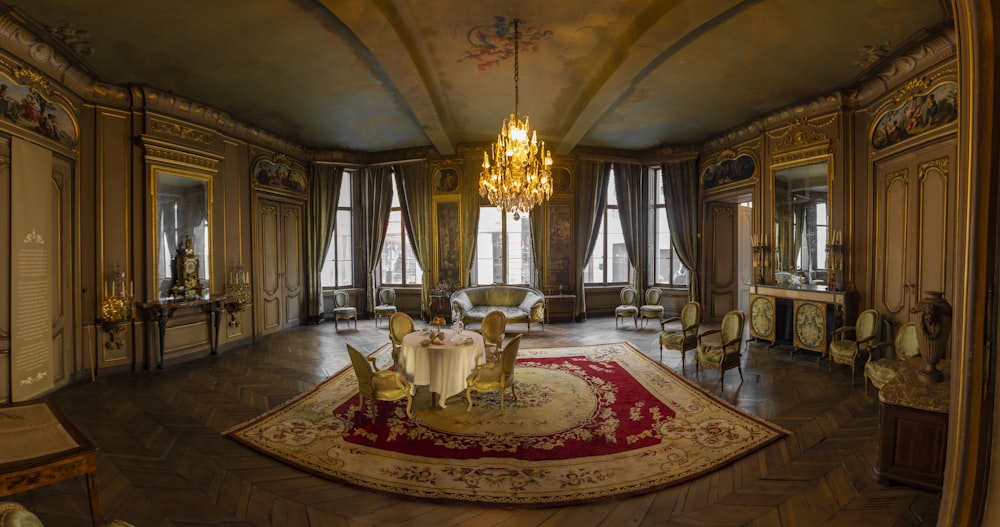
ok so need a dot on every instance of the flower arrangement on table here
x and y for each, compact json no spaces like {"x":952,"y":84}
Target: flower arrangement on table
{"x":444,"y":288}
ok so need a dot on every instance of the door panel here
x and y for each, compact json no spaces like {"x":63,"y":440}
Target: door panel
{"x":270,"y":281}
{"x":292,"y":243}
{"x":721,"y":260}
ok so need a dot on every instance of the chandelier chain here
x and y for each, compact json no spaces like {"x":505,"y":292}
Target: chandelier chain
{"x":516,"y":174}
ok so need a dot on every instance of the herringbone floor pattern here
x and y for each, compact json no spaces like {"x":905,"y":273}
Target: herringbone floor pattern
{"x":163,"y":460}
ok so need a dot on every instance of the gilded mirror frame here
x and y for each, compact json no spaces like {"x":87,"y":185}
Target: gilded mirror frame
{"x":773,"y":230}
{"x":162,"y":274}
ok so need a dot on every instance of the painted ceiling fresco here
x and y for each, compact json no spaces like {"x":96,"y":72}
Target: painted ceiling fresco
{"x":381,"y":75}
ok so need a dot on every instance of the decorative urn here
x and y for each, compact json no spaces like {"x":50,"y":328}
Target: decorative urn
{"x":935,"y":333}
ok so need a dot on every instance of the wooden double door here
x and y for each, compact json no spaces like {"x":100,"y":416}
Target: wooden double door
{"x":280,"y":291}
{"x":914,"y":235}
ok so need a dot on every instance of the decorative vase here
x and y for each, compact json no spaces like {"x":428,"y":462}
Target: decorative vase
{"x":935,"y":333}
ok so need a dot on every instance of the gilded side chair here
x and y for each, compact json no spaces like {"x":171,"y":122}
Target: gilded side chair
{"x":342,"y":310}
{"x":493,"y":330}
{"x":906,"y":346}
{"x":378,"y":385}
{"x":685,"y":337}
{"x":386,"y":305}
{"x":722,"y":353}
{"x":846,"y":351}
{"x":495,"y":376}
{"x":651,"y":308}
{"x":627,"y":308}
{"x":400,"y":325}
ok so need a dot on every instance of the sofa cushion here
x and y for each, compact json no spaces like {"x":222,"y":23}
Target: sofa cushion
{"x":15,"y":515}
{"x":462,"y":299}
{"x":530,"y":299}
{"x":480,"y":312}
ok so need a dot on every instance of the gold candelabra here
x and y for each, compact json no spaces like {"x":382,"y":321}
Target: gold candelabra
{"x":117,"y":307}
{"x":237,"y":295}
{"x":761,"y":256}
{"x":835,"y":259}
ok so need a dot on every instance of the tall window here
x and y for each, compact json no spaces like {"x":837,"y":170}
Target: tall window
{"x":397,"y":263}
{"x":667,"y":267}
{"x":338,"y":266}
{"x":609,"y":262}
{"x":503,"y":249}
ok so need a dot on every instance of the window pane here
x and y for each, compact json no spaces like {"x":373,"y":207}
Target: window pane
{"x":328,"y":277}
{"x":593,"y":273}
{"x":680,"y":272}
{"x":345,"y":250}
{"x":344,"y":199}
{"x":612,"y":193}
{"x":391,"y":261}
{"x":661,"y":265}
{"x":618,"y":256}
{"x":489,"y":247}
{"x":518,"y":250}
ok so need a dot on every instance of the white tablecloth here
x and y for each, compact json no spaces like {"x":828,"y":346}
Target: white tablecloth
{"x":445,"y":366}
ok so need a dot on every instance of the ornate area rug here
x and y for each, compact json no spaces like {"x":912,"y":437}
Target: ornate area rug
{"x":589,"y":422}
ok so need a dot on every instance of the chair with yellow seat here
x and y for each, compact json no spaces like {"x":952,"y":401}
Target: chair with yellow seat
{"x":400,"y":325}
{"x":905,"y":346}
{"x":378,"y":385}
{"x":627,"y":308}
{"x":651,"y":308}
{"x":493,"y":330}
{"x":343,"y":310}
{"x":848,"y":352}
{"x":495,"y":376}
{"x":386,"y":305}
{"x":722,"y":353}
{"x":684,"y":338}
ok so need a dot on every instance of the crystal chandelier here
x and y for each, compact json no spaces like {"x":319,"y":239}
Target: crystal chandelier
{"x":519,"y":177}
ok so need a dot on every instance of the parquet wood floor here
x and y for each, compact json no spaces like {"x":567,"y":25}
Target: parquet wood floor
{"x":163,"y":461}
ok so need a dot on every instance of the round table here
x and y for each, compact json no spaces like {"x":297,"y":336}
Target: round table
{"x":442,"y":366}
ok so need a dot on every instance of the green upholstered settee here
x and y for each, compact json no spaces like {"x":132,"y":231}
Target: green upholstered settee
{"x":518,"y":303}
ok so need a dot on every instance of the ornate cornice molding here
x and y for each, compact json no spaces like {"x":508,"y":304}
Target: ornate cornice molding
{"x":181,"y":132}
{"x":183,"y":158}
{"x":924,"y":55}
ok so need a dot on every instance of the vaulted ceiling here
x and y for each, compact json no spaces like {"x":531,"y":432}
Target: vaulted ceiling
{"x":387,"y":74}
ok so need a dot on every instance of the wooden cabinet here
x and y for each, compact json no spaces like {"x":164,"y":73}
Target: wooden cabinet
{"x":913,"y":428}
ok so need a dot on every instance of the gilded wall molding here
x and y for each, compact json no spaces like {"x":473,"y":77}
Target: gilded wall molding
{"x":184,"y":158}
{"x":4,"y":161}
{"x":923,"y":56}
{"x":940,"y":164}
{"x":182,"y":132}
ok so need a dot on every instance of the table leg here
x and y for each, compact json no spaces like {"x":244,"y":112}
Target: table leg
{"x":161,"y":321}
{"x":95,"y":513}
{"x":216,"y":315}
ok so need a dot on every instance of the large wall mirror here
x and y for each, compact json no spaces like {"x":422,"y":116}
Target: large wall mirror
{"x":183,"y":212}
{"x":801,"y":221}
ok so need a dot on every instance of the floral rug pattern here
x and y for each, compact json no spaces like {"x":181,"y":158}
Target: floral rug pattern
{"x":588,"y":422}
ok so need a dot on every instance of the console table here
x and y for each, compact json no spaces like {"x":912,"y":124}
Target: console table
{"x":161,"y":311}
{"x":913,"y":427}
{"x":835,"y":308}
{"x":43,"y":447}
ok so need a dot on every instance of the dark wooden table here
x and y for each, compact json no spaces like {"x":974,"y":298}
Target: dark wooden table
{"x":161,"y":311}
{"x":50,"y":448}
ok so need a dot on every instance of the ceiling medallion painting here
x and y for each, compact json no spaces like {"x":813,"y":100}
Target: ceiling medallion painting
{"x":492,"y":43}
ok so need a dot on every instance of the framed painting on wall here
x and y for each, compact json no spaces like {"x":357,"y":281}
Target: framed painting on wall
{"x":560,"y":246}
{"x":448,"y":242}
{"x":741,"y":168}
{"x":446,"y":180}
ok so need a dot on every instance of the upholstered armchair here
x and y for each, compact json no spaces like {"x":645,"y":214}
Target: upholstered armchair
{"x":493,"y":331}
{"x":495,"y":376}
{"x":881,"y":371}
{"x":683,"y":338}
{"x":400,"y":325}
{"x":386,"y":305}
{"x":651,"y":308}
{"x":342,"y":310}
{"x":378,"y":385}
{"x":847,"y":352}
{"x":722,"y":353}
{"x":627,"y":308}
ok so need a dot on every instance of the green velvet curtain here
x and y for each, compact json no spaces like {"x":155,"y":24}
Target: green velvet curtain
{"x":324,"y":188}
{"x":591,"y":200}
{"x":413,"y":183}
{"x":470,"y":224}
{"x":635,"y":226}
{"x":680,"y":195}
{"x":376,"y":202}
